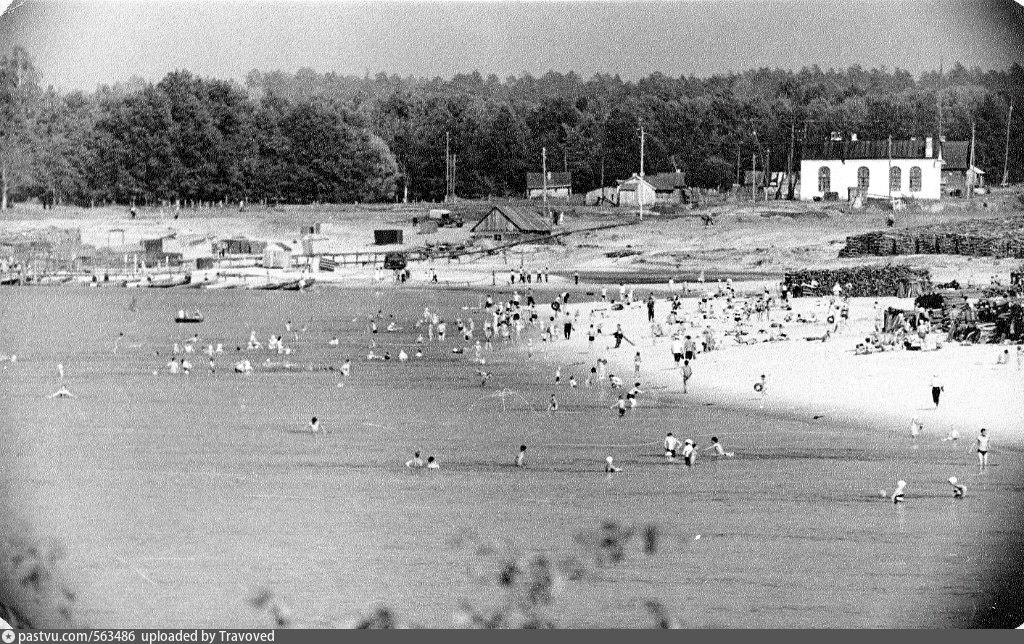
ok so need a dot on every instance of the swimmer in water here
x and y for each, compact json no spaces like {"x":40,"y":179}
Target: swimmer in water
{"x":898,"y":494}
{"x":609,"y":467}
{"x":62,"y":393}
{"x":958,"y":489}
{"x":521,"y":456}
{"x":717,"y":447}
{"x":415,"y":461}
{"x":314,"y":425}
{"x":432,"y":463}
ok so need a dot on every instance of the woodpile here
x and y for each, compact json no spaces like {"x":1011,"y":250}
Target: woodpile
{"x":861,"y":281}
{"x":976,"y":238}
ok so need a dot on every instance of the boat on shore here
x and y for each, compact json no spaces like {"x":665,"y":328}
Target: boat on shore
{"x":188,"y":317}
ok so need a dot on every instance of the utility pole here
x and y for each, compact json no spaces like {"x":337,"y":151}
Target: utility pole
{"x":738,"y":182}
{"x":544,"y":179}
{"x":767,"y":171}
{"x":789,"y":163}
{"x":890,"y":167}
{"x":970,"y":169}
{"x":641,"y":150}
{"x":447,"y":166}
{"x":753,"y":176}
{"x":1006,"y":156}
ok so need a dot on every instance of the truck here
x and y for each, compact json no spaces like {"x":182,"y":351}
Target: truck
{"x":445,"y":217}
{"x":395,"y":261}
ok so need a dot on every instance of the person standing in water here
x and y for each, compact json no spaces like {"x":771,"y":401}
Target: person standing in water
{"x":521,"y":456}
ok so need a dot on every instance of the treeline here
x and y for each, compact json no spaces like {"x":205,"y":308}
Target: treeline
{"x":303,"y":137}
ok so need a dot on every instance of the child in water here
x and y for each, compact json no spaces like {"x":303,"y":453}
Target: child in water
{"x":958,"y":489}
{"x":609,"y":468}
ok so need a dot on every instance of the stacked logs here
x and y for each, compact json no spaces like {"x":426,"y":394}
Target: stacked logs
{"x":861,"y":281}
{"x":976,"y":238}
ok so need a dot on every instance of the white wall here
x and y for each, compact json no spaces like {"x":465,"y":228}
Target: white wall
{"x":844,"y":177}
{"x":630,"y":197}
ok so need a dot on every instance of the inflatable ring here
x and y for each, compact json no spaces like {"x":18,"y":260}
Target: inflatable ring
{"x":555,"y":305}
{"x":758,"y":386}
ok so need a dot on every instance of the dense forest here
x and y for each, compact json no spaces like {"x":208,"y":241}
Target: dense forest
{"x":307,"y":137}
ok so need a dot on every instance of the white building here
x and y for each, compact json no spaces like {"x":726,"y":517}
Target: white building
{"x":875,"y":169}
{"x":636,"y":191}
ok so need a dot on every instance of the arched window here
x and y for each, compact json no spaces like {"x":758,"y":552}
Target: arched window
{"x":895,"y":179}
{"x":915,"y":179}
{"x":863,"y":177}
{"x":824,"y":179}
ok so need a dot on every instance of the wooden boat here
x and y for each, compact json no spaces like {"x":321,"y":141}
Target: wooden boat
{"x":298,"y":285}
{"x":188,"y":317}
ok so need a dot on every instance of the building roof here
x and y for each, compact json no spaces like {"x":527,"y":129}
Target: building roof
{"x":667,"y":181}
{"x":535,"y":180}
{"x":630,"y":184}
{"x":524,"y":219}
{"x":953,"y":152}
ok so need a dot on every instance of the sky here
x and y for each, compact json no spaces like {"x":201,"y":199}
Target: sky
{"x":80,"y":44}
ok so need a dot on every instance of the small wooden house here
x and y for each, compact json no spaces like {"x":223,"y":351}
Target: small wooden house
{"x":512,"y":223}
{"x":277,"y":255}
{"x":636,"y":191}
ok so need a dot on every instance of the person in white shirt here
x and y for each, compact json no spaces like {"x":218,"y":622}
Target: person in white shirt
{"x":689,"y":452}
{"x":981,"y":446}
{"x":671,"y":445}
{"x":415,"y":461}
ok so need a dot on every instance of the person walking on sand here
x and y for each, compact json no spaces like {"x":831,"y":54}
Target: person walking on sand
{"x":687,"y":373}
{"x":762,"y":387}
{"x":1020,"y":357}
{"x":650,"y":307}
{"x":618,"y":335}
{"x":636,"y":362}
{"x":937,"y":389}
{"x":981,"y":447}
{"x":689,"y":349}
{"x":415,"y":462}
{"x":521,"y":456}
{"x":672,"y":444}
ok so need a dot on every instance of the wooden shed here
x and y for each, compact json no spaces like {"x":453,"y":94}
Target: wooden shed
{"x":277,"y":255}
{"x":511,"y":223}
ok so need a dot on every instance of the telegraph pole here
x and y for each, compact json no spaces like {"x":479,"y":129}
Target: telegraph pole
{"x":753,"y":176}
{"x":544,"y":175}
{"x":970,"y":170}
{"x":789,"y":163}
{"x":447,"y":166}
{"x":1006,"y":156}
